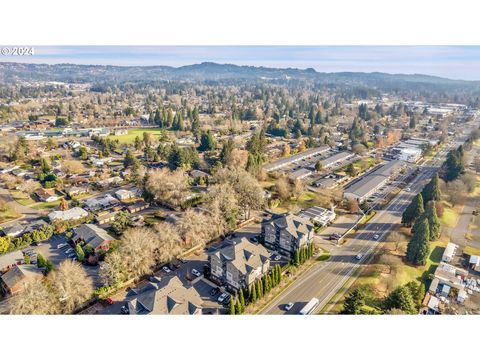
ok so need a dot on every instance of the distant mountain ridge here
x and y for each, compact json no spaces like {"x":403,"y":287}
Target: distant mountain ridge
{"x":11,"y":72}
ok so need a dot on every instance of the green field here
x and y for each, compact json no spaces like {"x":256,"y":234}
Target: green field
{"x":8,"y":214}
{"x":450,"y":217}
{"x":22,"y":198}
{"x":133,"y":133}
{"x":47,"y":205}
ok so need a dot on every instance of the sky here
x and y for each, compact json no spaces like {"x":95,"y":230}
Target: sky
{"x":454,"y":62}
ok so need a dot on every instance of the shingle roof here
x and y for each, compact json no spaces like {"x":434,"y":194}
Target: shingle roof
{"x":92,"y":235}
{"x":20,"y":272}
{"x":295,"y":225}
{"x":169,"y":297}
{"x":243,"y":255}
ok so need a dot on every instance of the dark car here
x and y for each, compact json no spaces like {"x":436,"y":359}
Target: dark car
{"x":214,"y":291}
{"x":227,"y":300}
{"x":183,"y":261}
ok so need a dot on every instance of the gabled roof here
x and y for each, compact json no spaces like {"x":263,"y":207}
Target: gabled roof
{"x":92,"y":235}
{"x":295,"y":225}
{"x":19,"y":273}
{"x":243,"y":255}
{"x":169,"y":297}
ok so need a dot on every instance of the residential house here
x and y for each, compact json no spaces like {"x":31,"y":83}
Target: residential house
{"x":101,"y":203}
{"x":92,"y":235}
{"x":46,"y":195}
{"x":12,"y":282}
{"x":74,"y":191}
{"x":105,"y":217}
{"x":287,"y":233}
{"x":137,"y":206}
{"x":124,"y":194}
{"x":239,"y":264}
{"x":75,"y":213}
{"x":22,"y":227}
{"x":10,"y":259}
{"x":169,"y":297}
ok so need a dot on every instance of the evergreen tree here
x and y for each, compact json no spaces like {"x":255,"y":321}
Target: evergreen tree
{"x":80,"y":253}
{"x":431,"y":191}
{"x":297,"y":257}
{"x":418,"y":247}
{"x":253,"y":294}
{"x":238,"y":307}
{"x":354,"y":302}
{"x":433,"y":221}
{"x":401,"y":298}
{"x":207,"y":142}
{"x":41,"y":261}
{"x":242,"y":299}
{"x":259,"y":289}
{"x":226,"y":154}
{"x":129,"y":160}
{"x":454,"y":166}
{"x":279,"y":273}
{"x":413,"y":210}
{"x":232,"y":307}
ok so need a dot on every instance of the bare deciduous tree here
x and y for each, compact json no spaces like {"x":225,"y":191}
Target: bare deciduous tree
{"x":72,"y":285}
{"x":37,"y":298}
{"x":167,"y":186}
{"x":72,"y":167}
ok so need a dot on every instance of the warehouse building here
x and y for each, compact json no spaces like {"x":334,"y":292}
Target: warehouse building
{"x":367,"y":185}
{"x":278,"y":164}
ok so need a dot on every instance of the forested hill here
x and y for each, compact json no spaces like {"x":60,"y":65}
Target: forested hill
{"x":11,"y":73}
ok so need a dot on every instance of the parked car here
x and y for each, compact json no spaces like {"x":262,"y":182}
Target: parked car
{"x":61,"y":245}
{"x":222,"y":297}
{"x":196,"y":272}
{"x":277,"y":258}
{"x":289,"y":306}
{"x":359,"y":256}
{"x":124,"y":310}
{"x":182,"y":260}
{"x":166,"y":269}
{"x":376,"y":236}
{"x":109,"y":301}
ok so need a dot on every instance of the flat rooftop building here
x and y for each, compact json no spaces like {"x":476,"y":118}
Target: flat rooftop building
{"x":371,"y":182}
{"x":278,"y":164}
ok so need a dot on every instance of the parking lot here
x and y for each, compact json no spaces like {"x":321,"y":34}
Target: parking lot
{"x":51,"y":251}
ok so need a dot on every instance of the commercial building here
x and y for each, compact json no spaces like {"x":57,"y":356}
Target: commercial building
{"x":335,"y":159}
{"x":300,"y":174}
{"x":278,"y":164}
{"x":368,"y":184}
{"x":318,"y":215}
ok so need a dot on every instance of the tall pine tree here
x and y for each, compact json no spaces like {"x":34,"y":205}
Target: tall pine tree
{"x":413,"y":210}
{"x":419,"y":245}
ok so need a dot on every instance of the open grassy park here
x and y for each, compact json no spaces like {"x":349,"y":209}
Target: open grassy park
{"x":133,"y":133}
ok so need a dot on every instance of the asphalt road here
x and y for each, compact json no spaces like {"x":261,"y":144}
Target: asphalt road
{"x":324,"y":280}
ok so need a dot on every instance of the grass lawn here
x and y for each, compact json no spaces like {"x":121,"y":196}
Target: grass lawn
{"x":47,"y":205}
{"x":471,"y":250}
{"x":22,"y":198}
{"x":8,"y":214}
{"x":133,"y":133}
{"x":381,"y":281}
{"x":450,"y":217}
